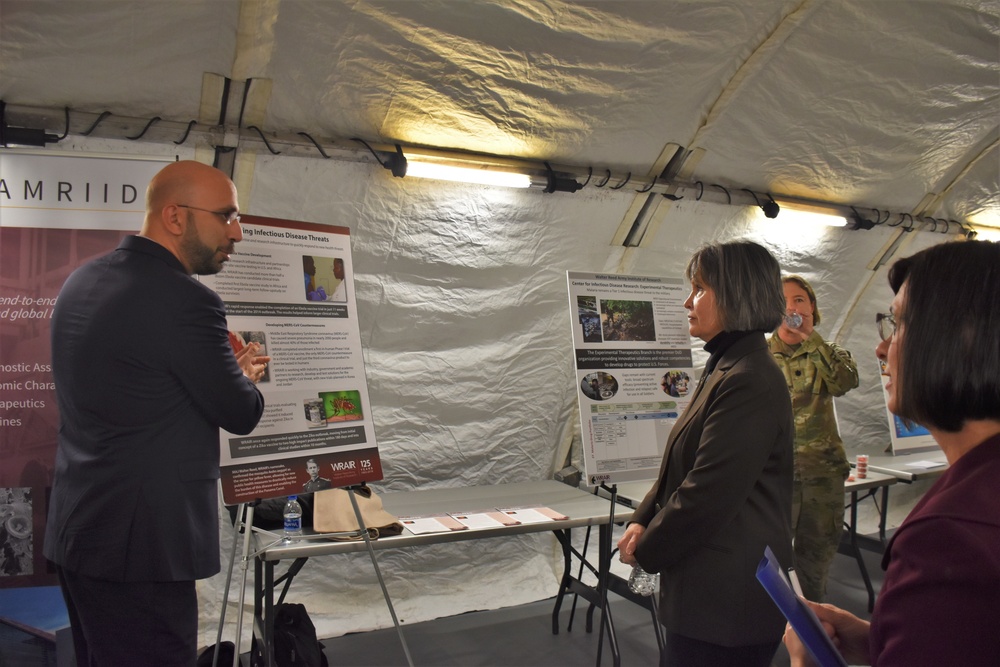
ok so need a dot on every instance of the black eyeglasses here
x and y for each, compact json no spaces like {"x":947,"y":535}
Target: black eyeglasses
{"x":886,"y":324}
{"x":229,"y":217}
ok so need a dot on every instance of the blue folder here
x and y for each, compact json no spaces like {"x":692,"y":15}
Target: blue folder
{"x":798,"y":613}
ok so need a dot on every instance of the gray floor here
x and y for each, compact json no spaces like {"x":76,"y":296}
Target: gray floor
{"x":522,"y":636}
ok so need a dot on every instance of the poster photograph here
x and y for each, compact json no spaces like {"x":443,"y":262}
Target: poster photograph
{"x":634,"y":371}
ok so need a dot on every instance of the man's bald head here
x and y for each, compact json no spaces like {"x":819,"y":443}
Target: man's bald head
{"x":181,"y":181}
{"x":188,"y":209}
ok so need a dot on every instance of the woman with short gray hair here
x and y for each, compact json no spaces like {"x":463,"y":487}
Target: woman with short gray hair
{"x":724,"y":491}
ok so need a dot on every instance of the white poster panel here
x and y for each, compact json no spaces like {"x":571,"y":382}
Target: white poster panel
{"x":289,"y":287}
{"x":74,"y":192}
{"x":906,"y":437}
{"x":634,"y":374}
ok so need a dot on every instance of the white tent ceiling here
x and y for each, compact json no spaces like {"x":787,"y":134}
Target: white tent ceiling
{"x":881,"y":104}
{"x":859,"y":102}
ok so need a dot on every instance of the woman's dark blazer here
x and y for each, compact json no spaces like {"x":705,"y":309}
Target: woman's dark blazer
{"x":724,"y":493}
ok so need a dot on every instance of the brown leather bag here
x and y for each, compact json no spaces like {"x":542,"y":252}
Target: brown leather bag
{"x":334,"y":513}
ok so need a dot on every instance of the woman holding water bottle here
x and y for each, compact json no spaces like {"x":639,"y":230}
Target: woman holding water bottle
{"x":724,"y":491}
{"x":815,"y":371}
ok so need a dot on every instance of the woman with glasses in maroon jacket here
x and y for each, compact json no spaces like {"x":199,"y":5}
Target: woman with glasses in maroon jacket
{"x":941,"y":347}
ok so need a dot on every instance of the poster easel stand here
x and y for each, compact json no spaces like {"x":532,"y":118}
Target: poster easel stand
{"x":244,"y":524}
{"x":378,"y":573}
{"x":229,"y":577}
{"x":605,"y":551}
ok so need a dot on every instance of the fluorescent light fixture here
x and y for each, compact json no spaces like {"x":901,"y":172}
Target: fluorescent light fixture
{"x":481,"y":174}
{"x":986,"y":225}
{"x":796,"y":212}
{"x":988,"y":234}
{"x":812,"y":218}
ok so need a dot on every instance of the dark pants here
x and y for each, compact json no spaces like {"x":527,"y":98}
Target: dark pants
{"x":680,"y":651}
{"x":131,"y":623}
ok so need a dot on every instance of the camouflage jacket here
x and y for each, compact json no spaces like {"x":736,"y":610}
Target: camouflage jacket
{"x":816,"y":371}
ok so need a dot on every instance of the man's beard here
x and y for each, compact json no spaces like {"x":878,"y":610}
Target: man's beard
{"x":199,"y":256}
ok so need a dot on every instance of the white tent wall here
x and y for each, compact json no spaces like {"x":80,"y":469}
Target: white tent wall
{"x":461,"y":289}
{"x":463,"y":311}
{"x":465,"y":320}
{"x":465,"y":323}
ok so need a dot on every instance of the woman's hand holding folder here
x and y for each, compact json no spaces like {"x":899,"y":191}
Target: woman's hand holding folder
{"x":848,"y":632}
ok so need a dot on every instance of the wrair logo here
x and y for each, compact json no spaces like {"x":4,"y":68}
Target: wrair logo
{"x":599,"y":478}
{"x":343,"y":465}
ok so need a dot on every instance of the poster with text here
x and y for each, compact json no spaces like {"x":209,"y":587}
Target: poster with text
{"x":57,"y":212}
{"x":906,"y":437}
{"x":634,"y":374}
{"x":290,"y":288}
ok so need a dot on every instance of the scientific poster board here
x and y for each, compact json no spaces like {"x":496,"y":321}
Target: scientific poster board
{"x":290,"y":287}
{"x":634,"y":374}
{"x":906,"y":438}
{"x":57,"y":212}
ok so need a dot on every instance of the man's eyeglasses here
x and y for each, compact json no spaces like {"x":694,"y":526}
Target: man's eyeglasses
{"x":229,"y":217}
{"x":886,"y":324}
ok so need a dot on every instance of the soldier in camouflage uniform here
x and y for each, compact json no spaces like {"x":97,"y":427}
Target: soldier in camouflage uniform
{"x":815,"y":371}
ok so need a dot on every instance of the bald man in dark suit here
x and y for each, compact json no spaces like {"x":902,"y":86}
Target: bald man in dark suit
{"x":145,"y":377}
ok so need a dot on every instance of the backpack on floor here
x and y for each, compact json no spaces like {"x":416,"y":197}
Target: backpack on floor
{"x":295,"y":642}
{"x":207,"y":657}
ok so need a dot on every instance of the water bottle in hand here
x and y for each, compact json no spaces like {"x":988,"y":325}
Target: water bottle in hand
{"x":641,"y":582}
{"x":793,"y":320}
{"x":293,"y":518}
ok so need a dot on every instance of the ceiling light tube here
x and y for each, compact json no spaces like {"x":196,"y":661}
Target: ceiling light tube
{"x":481,"y":175}
{"x":464,"y":171}
{"x":809,"y":212}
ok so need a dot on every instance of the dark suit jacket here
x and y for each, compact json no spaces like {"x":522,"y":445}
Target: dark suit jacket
{"x":723,"y":494}
{"x":144,"y":379}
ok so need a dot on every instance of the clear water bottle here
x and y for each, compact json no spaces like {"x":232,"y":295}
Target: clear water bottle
{"x":793,"y":320}
{"x":641,"y":582}
{"x":293,"y":517}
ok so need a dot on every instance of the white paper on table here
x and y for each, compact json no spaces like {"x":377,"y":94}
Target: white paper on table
{"x":419,"y":525}
{"x":926,"y":464}
{"x":525,"y":514}
{"x":477,"y":520}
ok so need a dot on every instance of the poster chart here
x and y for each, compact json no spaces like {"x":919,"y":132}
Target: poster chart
{"x":57,"y":212}
{"x":289,"y":287}
{"x":634,"y":374}
{"x":906,"y":437}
